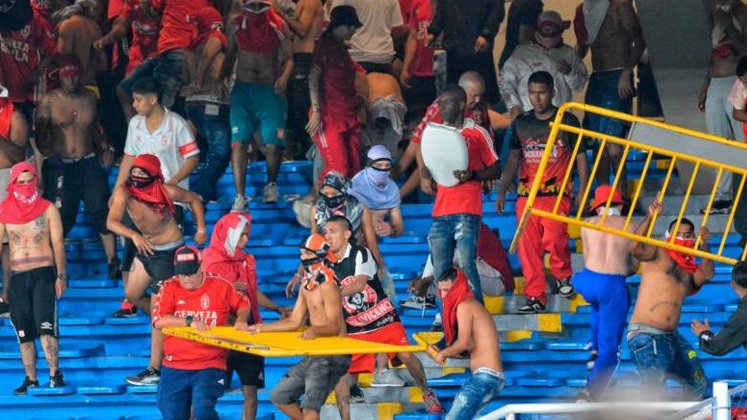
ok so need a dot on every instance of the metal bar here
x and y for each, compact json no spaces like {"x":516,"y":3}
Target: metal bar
{"x":707,"y":214}
{"x":568,"y":408}
{"x":591,"y":176}
{"x":661,"y":195}
{"x":681,"y":213}
{"x":731,"y":217}
{"x":568,"y":173}
{"x":615,"y":183}
{"x":638,"y":190}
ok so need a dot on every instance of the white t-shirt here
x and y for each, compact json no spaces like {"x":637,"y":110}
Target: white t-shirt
{"x":173,"y":143}
{"x":373,"y":41}
{"x":738,"y":95}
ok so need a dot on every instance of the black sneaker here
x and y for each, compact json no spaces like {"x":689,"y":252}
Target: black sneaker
{"x":718,"y":207}
{"x":149,"y":376}
{"x":4,"y":308}
{"x":592,"y":360}
{"x":27,"y":383}
{"x":437,"y":325}
{"x":356,"y":395}
{"x":125,"y":313}
{"x":57,"y":380}
{"x":533,"y":306}
{"x":565,"y":288}
{"x":115,"y":271}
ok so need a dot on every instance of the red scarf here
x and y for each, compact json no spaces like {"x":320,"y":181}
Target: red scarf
{"x":259,"y":32}
{"x":209,"y":25}
{"x":225,"y":259}
{"x":6,"y":115}
{"x":154,"y":195}
{"x":685,"y":261}
{"x":458,"y":294}
{"x":24,"y":203}
{"x":490,"y":249}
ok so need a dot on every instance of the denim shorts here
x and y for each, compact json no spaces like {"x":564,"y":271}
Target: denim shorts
{"x":314,"y":377}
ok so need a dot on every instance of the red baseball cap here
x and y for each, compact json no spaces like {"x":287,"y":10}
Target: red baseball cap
{"x":602,"y":194}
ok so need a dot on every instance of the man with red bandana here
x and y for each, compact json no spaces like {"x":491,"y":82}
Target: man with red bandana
{"x":39,"y":276}
{"x":225,"y":257}
{"x":262,"y":54}
{"x":667,"y":278}
{"x":333,"y":123}
{"x":150,"y":205}
{"x":78,"y":28}
{"x":68,"y":135}
{"x":14,"y":140}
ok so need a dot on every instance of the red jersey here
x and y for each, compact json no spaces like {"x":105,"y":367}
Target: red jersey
{"x":478,"y":114}
{"x":419,"y":20}
{"x":529,"y":135}
{"x":144,"y":33}
{"x":466,"y":197}
{"x":114,"y":9}
{"x":20,"y":54}
{"x":210,"y":303}
{"x":178,"y":26}
{"x":338,"y":97}
{"x":405,"y":7}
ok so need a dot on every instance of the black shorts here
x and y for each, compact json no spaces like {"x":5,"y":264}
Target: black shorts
{"x":159,"y":266}
{"x":249,"y":367}
{"x":71,"y":182}
{"x":33,"y":304}
{"x":128,"y":248}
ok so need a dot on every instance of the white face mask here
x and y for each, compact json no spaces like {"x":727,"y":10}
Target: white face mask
{"x":612,"y":211}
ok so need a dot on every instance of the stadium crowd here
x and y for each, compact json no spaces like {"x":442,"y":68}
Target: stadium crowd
{"x":168,"y":90}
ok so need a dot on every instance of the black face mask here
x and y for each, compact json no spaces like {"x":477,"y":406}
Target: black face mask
{"x":307,"y":264}
{"x":140,"y":182}
{"x":334,"y":202}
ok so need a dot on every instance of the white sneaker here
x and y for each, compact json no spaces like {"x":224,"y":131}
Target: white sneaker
{"x":270,"y":193}
{"x":239,"y":204}
{"x":387,"y":378}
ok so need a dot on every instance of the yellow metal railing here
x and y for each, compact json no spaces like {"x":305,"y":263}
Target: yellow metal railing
{"x":676,"y":156}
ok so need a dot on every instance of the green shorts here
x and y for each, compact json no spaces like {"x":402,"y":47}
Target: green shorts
{"x":257,"y":107}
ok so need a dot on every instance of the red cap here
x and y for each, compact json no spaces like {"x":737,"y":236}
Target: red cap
{"x":602,"y":193}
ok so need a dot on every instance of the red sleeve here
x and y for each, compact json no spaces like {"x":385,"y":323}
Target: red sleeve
{"x":164,"y":303}
{"x":42,"y":33}
{"x":430,"y":114}
{"x":321,"y":54}
{"x":236,"y":300}
{"x":127,"y":10}
{"x":487,"y":154}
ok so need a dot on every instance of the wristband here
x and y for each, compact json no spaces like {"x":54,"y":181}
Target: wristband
{"x":706,"y":336}
{"x":62,"y":276}
{"x":188,"y":319}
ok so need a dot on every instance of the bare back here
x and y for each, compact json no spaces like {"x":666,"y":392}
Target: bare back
{"x":80,"y":33}
{"x":605,"y":253}
{"x":317,"y":307}
{"x":157,"y":228}
{"x":73,"y":123}
{"x":30,"y":244}
{"x":485,"y":351}
{"x":612,"y":48}
{"x":382,"y":85}
{"x":312,"y":10}
{"x":13,"y":149}
{"x":664,"y":286}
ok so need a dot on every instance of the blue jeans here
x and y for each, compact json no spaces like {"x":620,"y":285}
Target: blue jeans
{"x":456,"y":233}
{"x":608,"y":296}
{"x":166,"y":68}
{"x":212,"y":123}
{"x":658,"y":353}
{"x":484,"y":385}
{"x":178,"y":390}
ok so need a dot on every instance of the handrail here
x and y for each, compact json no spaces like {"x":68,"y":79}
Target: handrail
{"x":508,"y":411}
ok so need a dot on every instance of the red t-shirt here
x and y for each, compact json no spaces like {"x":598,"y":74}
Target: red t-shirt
{"x":114,"y":9}
{"x":144,"y":33}
{"x":404,"y":7}
{"x":20,"y":54}
{"x":529,"y":135}
{"x":478,"y":114}
{"x":466,"y":197}
{"x":420,"y":16}
{"x":178,"y":26}
{"x":338,"y":97}
{"x":211,"y":303}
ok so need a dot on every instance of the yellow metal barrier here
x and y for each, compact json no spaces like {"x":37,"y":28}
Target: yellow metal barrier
{"x":726,"y":158}
{"x":282,"y":344}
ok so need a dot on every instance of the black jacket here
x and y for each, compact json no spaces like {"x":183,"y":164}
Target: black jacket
{"x":462,"y":21}
{"x":730,"y":337}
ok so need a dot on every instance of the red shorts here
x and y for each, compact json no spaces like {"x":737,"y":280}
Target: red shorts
{"x":393,"y":333}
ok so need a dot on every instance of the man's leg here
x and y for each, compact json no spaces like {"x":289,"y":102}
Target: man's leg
{"x":96,"y":199}
{"x":331,"y":147}
{"x":174,"y":393}
{"x":168,"y":72}
{"x":137,"y":284}
{"x":652,"y":355}
{"x":465,"y":235}
{"x":249,"y":408}
{"x":531,"y":255}
{"x":441,"y":244}
{"x":322,"y":376}
{"x":216,"y":130}
{"x":342,"y":397}
{"x":28,"y":357}
{"x":208,"y":387}
{"x":586,"y":283}
{"x":353,"y":138}
{"x":556,"y":241}
{"x":286,"y":393}
{"x":44,"y":303}
{"x":242,"y":130}
{"x":688,"y":370}
{"x":474,"y":395}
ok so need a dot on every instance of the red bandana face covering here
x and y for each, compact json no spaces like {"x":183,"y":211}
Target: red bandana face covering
{"x":24,"y":203}
{"x":259,"y":32}
{"x":684,"y":261}
{"x":150,"y":191}
{"x":459,"y":292}
{"x":6,"y":115}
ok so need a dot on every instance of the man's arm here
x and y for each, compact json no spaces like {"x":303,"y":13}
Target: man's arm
{"x":642,"y":251}
{"x":508,"y":84}
{"x":301,"y":25}
{"x":195,"y":204}
{"x":437,"y":23}
{"x":491,"y":172}
{"x":509,"y":173}
{"x":496,"y":13}
{"x":411,"y":45}
{"x":369,"y":232}
{"x":212,"y":48}
{"x":464,"y":336}
{"x":185,"y":170}
{"x":120,"y":27}
{"x":578,"y":75}
{"x":730,"y":337}
{"x":19,"y":130}
{"x":292,"y":323}
{"x":124,"y":170}
{"x":42,"y":125}
{"x":58,"y":248}
{"x":706,"y":270}
{"x":116,"y":212}
{"x":632,"y":26}
{"x":286,"y":58}
{"x":358,"y":284}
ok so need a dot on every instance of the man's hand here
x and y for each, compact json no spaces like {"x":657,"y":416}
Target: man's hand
{"x":143,"y":245}
{"x":404,"y":78}
{"x":200,"y":237}
{"x":281,"y":85}
{"x":290,"y":288}
{"x":481,"y":44}
{"x":315,"y":122}
{"x":397,"y":66}
{"x":59,"y":288}
{"x":419,"y":287}
{"x":698,"y":328}
{"x":500,"y":203}
{"x":285,"y":312}
{"x":705,"y":237}
{"x":241,"y":287}
{"x":190,"y":89}
{"x":702,"y":100}
{"x":383,"y":229}
{"x":253,"y":329}
{"x":655,"y":208}
{"x":563,"y":66}
{"x":309,"y":334}
{"x":625,"y":86}
{"x":514,"y":113}
{"x":439,"y":358}
{"x":241,"y":326}
{"x":199,"y":325}
{"x":101,"y":43}
{"x":578,"y":201}
{"x":465,"y":175}
{"x":429,"y":39}
{"x":107,"y":158}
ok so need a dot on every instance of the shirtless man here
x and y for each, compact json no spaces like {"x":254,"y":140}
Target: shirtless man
{"x":68,"y":135}
{"x":207,"y":100}
{"x":261,"y":49}
{"x":469,"y":328}
{"x":306,"y":25}
{"x":602,"y":283}
{"x":150,"y":204}
{"x":320,"y":300}
{"x":729,"y":20}
{"x":14,"y":140}
{"x":385,"y":116}
{"x":616,"y":47}
{"x":667,"y":278}
{"x":37,"y":259}
{"x":78,"y":30}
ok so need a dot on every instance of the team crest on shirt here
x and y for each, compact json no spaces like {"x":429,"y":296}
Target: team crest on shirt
{"x":205,"y":301}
